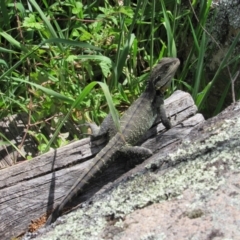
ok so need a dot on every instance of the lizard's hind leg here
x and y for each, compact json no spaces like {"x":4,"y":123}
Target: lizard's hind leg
{"x":135,"y":155}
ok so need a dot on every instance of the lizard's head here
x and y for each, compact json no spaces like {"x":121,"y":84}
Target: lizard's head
{"x":163,"y":73}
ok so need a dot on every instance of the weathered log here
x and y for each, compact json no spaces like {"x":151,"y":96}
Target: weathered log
{"x":18,"y":142}
{"x":31,"y":189}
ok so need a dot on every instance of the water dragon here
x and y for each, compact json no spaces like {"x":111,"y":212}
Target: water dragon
{"x":134,"y":123}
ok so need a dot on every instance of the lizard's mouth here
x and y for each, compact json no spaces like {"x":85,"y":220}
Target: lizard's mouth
{"x":161,"y":89}
{"x":159,"y":92}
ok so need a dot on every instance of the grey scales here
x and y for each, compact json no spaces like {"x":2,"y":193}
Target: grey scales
{"x":134,"y":123}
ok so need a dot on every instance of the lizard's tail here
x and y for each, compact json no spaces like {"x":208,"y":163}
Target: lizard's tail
{"x":101,"y":159}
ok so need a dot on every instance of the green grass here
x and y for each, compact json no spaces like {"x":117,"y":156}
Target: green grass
{"x":82,"y":58}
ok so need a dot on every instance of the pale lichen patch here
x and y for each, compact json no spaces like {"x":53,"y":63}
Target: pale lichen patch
{"x":200,"y":167}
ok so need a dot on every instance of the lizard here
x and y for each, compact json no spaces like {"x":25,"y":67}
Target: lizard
{"x":134,"y":123}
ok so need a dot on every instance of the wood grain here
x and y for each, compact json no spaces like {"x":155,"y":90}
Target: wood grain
{"x":31,"y":189}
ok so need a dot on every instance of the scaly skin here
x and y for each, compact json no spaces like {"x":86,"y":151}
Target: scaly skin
{"x":133,"y":125}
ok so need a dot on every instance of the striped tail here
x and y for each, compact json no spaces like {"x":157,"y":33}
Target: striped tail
{"x":102,"y":159}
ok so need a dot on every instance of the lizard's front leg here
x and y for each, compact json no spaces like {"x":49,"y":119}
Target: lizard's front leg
{"x":161,"y":110}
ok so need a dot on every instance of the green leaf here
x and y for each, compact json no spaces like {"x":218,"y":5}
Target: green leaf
{"x":8,"y":142}
{"x":3,"y":63}
{"x":80,"y":98}
{"x":10,"y":39}
{"x":106,"y":68}
{"x":30,"y":22}
{"x":71,"y":58}
{"x":172,"y":51}
{"x":48,"y":91}
{"x":78,"y":8}
{"x":85,"y":36}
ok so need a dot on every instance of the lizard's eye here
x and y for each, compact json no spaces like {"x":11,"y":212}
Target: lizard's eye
{"x":165,"y":68}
